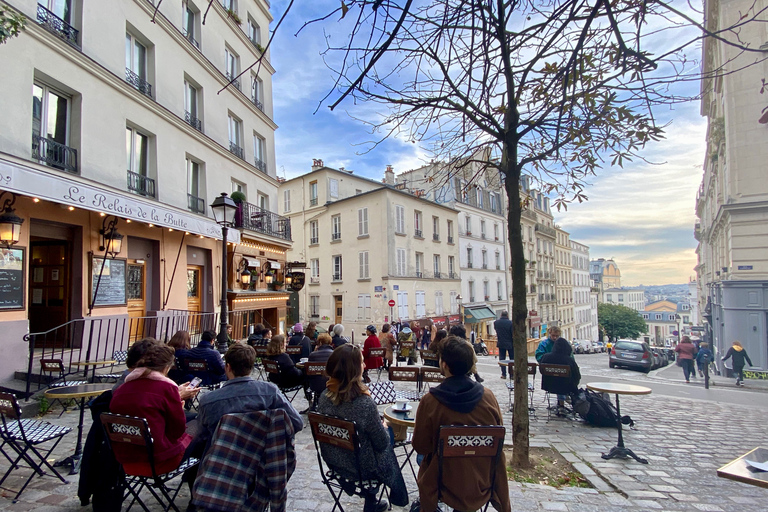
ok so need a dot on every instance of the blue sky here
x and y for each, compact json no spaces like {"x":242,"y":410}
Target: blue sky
{"x":642,"y":215}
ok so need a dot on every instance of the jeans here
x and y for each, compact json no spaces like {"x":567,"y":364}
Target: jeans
{"x":503,"y":354}
{"x":688,"y":369}
{"x":739,"y":371}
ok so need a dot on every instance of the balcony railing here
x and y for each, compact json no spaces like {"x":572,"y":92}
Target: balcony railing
{"x":452,"y":275}
{"x":546,"y":230}
{"x":336,"y":277}
{"x":196,"y":204}
{"x":139,"y":83}
{"x":57,"y":26}
{"x":140,"y":184}
{"x":528,"y":214}
{"x":260,"y":165}
{"x":314,"y":280}
{"x":469,"y":264}
{"x":437,"y":275}
{"x":335,"y":236}
{"x":193,"y":121}
{"x":435,"y":237}
{"x":450,"y":239}
{"x":485,"y":266}
{"x":314,"y":240}
{"x":419,"y":275}
{"x":418,"y":233}
{"x":191,"y":38}
{"x":255,"y":218}
{"x":313,"y":201}
{"x":259,"y":104}
{"x":236,"y":150}
{"x":53,"y":154}
{"x":234,"y":81}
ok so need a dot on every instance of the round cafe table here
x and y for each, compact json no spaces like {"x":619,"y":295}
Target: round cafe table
{"x":403,"y":420}
{"x":617,"y":389}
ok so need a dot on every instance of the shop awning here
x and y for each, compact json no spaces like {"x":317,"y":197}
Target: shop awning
{"x":251,"y":262}
{"x":475,"y":315}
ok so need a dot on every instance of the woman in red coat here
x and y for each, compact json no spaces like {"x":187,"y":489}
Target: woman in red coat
{"x":371,"y":363}
{"x":148,"y":393}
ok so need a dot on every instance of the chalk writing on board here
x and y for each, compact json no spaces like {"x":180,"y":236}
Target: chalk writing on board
{"x":111,"y":286}
{"x":11,"y":278}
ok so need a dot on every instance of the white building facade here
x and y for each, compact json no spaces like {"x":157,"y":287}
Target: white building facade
{"x":582,"y":303}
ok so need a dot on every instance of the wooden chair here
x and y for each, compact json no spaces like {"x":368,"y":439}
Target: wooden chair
{"x":406,"y":374}
{"x":558,"y":371}
{"x":430,"y":358}
{"x":271,"y":366}
{"x":261,"y":353}
{"x":405,"y":346}
{"x":24,"y":436}
{"x":293,"y":350}
{"x":470,"y":444}
{"x":134,"y":432}
{"x":56,"y":366}
{"x":531,"y":384}
{"x":342,"y":434}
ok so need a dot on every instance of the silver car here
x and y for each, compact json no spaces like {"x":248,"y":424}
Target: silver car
{"x":631,"y":354}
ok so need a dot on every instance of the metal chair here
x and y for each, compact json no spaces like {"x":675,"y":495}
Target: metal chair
{"x":51,"y":366}
{"x":315,"y":373}
{"x":272,"y":367}
{"x":470,"y":443}
{"x":531,"y":384}
{"x":406,"y":374}
{"x":378,"y":352}
{"x":430,"y":375}
{"x":134,"y":431}
{"x":261,"y":353}
{"x":23,"y":436}
{"x":558,"y":371}
{"x":342,"y":434}
{"x":118,"y":357}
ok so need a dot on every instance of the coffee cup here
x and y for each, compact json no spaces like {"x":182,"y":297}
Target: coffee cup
{"x":400,"y":404}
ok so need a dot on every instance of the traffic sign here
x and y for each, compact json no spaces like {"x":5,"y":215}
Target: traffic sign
{"x":391,"y":303}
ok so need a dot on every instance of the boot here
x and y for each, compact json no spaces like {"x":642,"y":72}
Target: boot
{"x":372,"y":504}
{"x":478,"y":378}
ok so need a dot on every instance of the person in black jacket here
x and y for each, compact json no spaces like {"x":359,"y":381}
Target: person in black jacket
{"x":316,"y":383}
{"x":289,"y":375}
{"x":299,"y":339}
{"x":338,"y":336}
{"x":256,"y":337}
{"x":562,"y":353}
{"x":739,"y":355}
{"x":504,"y":329}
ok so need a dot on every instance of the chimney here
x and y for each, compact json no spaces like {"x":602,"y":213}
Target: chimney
{"x":317,"y":164}
{"x":389,"y":176}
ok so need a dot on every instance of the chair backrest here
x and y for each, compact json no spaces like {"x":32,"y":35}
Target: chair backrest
{"x":9,"y":407}
{"x":555,"y":370}
{"x":194,"y":365}
{"x":404,"y":374}
{"x":431,"y":374}
{"x":429,"y":355}
{"x":334,"y":431}
{"x":382,"y":392}
{"x":52,"y":366}
{"x":531,"y":368}
{"x":293,"y":350}
{"x":261,"y":351}
{"x":377,"y":352}
{"x":129,"y":430}
{"x":312,"y":369}
{"x":120,"y":356}
{"x":271,"y":366}
{"x":407,"y":345}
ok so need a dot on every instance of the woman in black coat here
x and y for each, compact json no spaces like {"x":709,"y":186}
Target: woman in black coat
{"x":562,"y":353}
{"x":289,"y":375}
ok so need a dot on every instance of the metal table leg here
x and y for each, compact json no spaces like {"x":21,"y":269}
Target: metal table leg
{"x":620,"y":450}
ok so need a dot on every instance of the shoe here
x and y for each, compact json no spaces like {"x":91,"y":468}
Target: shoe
{"x":687,"y":381}
{"x":478,"y":378}
{"x":503,"y":376}
{"x":701,"y":374}
{"x":561,"y":411}
{"x":374,"y":505}
{"x":305,"y":411}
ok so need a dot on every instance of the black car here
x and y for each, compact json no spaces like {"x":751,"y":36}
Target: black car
{"x":631,"y":354}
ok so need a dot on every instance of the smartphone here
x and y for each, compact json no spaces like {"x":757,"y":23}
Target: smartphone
{"x":195,"y":382}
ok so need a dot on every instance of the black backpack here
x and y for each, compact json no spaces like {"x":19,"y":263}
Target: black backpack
{"x":602,"y":412}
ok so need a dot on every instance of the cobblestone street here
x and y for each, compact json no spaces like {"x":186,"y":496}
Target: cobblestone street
{"x":684,"y":440}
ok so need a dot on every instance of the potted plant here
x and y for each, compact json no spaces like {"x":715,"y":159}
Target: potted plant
{"x":238,"y":197}
{"x":234,"y":17}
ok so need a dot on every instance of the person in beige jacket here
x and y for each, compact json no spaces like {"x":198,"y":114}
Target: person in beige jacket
{"x":458,"y":400}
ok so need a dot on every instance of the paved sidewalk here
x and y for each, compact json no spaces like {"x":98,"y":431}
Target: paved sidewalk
{"x":684,"y":440}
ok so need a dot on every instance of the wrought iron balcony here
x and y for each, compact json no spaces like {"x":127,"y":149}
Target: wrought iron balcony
{"x":336,"y":277}
{"x":260,"y":165}
{"x":437,"y":275}
{"x":140,"y":184}
{"x":57,"y":26}
{"x":252,"y":217}
{"x":418,"y":233}
{"x":190,"y":37}
{"x":528,"y":214}
{"x":236,"y":150}
{"x":452,"y":275}
{"x":435,"y":237}
{"x":313,"y":201}
{"x":54,"y":154}
{"x":259,"y":104}
{"x":469,"y":264}
{"x":196,"y":204}
{"x":450,"y":239}
{"x":193,"y":121}
{"x":419,"y":275}
{"x":485,"y":266}
{"x":314,"y":280}
{"x":335,"y":236}
{"x":139,"y":83}
{"x":314,"y":240}
{"x":545,"y":230}
{"x":235,"y":81}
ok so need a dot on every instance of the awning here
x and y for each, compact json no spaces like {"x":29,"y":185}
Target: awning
{"x":251,"y":262}
{"x":274,"y":265}
{"x":475,"y":315}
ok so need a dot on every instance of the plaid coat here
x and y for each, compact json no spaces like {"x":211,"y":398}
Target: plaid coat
{"x":249,"y":463}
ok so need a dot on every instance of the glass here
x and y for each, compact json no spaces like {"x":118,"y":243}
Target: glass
{"x":191,"y":99}
{"x":193,"y":170}
{"x":57,"y":118}
{"x":193,"y":283}
{"x":135,"y":290}
{"x":37,"y":110}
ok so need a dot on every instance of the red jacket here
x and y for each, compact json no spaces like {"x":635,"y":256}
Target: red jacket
{"x":685,"y":350}
{"x":372,"y":362}
{"x":158,"y":401}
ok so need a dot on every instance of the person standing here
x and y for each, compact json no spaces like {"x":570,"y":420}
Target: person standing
{"x":686,"y":351}
{"x":387,"y":341}
{"x":504,"y":331}
{"x":739,"y":355}
{"x":426,"y":337}
{"x":703,"y":357}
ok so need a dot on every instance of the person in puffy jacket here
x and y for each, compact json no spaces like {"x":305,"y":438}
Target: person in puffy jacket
{"x":739,"y":355}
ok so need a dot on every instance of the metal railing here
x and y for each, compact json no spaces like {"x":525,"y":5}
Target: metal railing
{"x":233,"y":80}
{"x":193,"y":121}
{"x":450,"y":239}
{"x":452,"y":275}
{"x":314,"y":240}
{"x":236,"y":150}
{"x":469,"y":264}
{"x":546,"y":230}
{"x":54,"y":154}
{"x":419,"y":275}
{"x":57,"y":26}
{"x":140,"y":184}
{"x":190,"y":37}
{"x":139,"y":83}
{"x":260,"y":165}
{"x":438,"y":275}
{"x":336,"y":277}
{"x":259,"y":104}
{"x":196,"y":204}
{"x":313,"y":201}
{"x":528,"y":214}
{"x":418,"y":233}
{"x":335,"y":236}
{"x":435,"y":237}
{"x":255,"y":218}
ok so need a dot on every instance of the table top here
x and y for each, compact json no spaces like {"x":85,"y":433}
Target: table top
{"x":404,"y":419}
{"x":93,"y":363}
{"x":618,"y":388}
{"x":79,"y":391}
{"x":740,"y":471}
{"x":505,"y":362}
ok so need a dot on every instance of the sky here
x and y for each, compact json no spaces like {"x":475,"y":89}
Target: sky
{"x":642,"y":216}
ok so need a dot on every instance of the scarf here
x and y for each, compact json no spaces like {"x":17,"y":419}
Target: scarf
{"x":138,"y":373}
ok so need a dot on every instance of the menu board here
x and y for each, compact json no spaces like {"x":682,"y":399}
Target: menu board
{"x":12,"y":278}
{"x":111,"y":284}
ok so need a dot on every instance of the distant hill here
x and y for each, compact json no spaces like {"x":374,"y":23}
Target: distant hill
{"x":672,"y":292}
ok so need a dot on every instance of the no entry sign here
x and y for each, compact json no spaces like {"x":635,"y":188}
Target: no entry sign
{"x":391,"y":303}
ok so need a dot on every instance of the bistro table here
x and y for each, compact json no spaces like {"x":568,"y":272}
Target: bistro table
{"x":740,"y":471}
{"x":403,"y":420}
{"x":92,"y":366}
{"x":620,"y":389}
{"x":81,"y":391}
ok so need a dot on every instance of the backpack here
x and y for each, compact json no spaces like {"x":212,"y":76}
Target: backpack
{"x":602,"y":412}
{"x":705,"y":357}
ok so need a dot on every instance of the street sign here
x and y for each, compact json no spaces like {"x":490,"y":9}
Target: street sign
{"x":391,"y":303}
{"x":295,"y":264}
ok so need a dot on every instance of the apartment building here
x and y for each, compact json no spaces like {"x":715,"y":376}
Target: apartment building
{"x":366,"y":243}
{"x":605,"y":274}
{"x":564,"y":283}
{"x":732,"y":270}
{"x":582,"y":310}
{"x":633,"y":298}
{"x":117,"y":117}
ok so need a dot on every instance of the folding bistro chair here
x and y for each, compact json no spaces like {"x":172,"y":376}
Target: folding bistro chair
{"x":272,"y":367}
{"x":118,"y":357}
{"x":315,"y":372}
{"x":408,"y":347}
{"x":23,"y":436}
{"x":56,"y":366}
{"x":470,"y":443}
{"x":134,"y":431}
{"x":383,"y":392}
{"x":558,"y":371}
{"x":406,"y":374}
{"x":293,"y":350}
{"x":342,"y":434}
{"x":429,"y":358}
{"x":261,"y":353}
{"x":531,"y":384}
{"x":378,"y":352}
{"x":430,"y":375}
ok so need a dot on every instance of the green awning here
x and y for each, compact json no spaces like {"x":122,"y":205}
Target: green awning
{"x":476,"y":315}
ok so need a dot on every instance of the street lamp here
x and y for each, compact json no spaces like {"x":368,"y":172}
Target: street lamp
{"x":679,"y":333}
{"x":461,"y":313}
{"x":224,"y":209}
{"x":10,"y":223}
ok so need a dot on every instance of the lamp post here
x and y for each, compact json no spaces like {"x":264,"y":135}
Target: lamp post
{"x":679,"y":332}
{"x":461,"y":312}
{"x":224,"y":209}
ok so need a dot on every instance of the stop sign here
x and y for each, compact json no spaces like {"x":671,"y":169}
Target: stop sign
{"x":391,"y":303}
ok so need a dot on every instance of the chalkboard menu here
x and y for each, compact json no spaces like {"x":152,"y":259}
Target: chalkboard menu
{"x":12,"y":278}
{"x":111,"y":286}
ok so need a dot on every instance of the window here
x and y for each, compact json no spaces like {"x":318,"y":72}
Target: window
{"x":314,"y":306}
{"x":337,"y":267}
{"x":313,"y":193}
{"x":254,"y":32}
{"x":484,"y":255}
{"x":498,"y":260}
{"x":236,"y":136}
{"x":454,"y":303}
{"x":263,"y":202}
{"x":419,"y":264}
{"x":259,"y":153}
{"x":438,"y":302}
{"x":402,"y":305}
{"x":286,"y":201}
{"x":495,"y":202}
{"x":621,"y":297}
{"x":399,"y":219}
{"x":333,"y":188}
{"x":646,"y":316}
{"x":482,"y":229}
{"x":257,"y":92}
{"x":362,"y":222}
{"x":401,"y":265}
{"x":530,"y":234}
{"x":450,"y":231}
{"x":418,"y":228}
{"x":363,"y":264}
{"x":479,"y":192}
{"x":136,"y":64}
{"x":314,"y":232}
{"x":189,"y":24}
{"x":495,"y":231}
{"x":137,"y":150}
{"x":609,"y":298}
{"x":364,"y":306}
{"x":191,"y":94}
{"x":229,"y":5}
{"x":469,"y":257}
{"x":239,"y":187}
{"x":336,"y":227}
{"x":450,"y":267}
{"x":435,"y":228}
{"x":499,"y":292}
{"x":471,"y":291}
{"x":195,"y":194}
{"x":468,"y":225}
{"x":486,"y":290}
{"x":314,"y":268}
{"x":232,"y":66}
{"x":421,"y":309}
{"x":436,"y":264}
{"x":658,"y":317}
{"x":51,"y":118}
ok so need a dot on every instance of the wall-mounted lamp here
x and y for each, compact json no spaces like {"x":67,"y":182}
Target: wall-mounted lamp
{"x":288,"y":278}
{"x":244,"y":273}
{"x":111,"y":241}
{"x":10,"y":223}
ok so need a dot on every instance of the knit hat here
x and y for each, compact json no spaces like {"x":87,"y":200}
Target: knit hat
{"x":338,"y":329}
{"x":298,"y":327}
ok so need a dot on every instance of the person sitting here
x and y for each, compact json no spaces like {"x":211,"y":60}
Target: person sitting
{"x":316,"y":383}
{"x":206,"y":352}
{"x":457,"y":401}
{"x":311,"y":332}
{"x":338,"y":338}
{"x":373,"y":363}
{"x":180,"y":344}
{"x":299,"y":339}
{"x":256,"y":337}
{"x":460,"y":331}
{"x":289,"y":375}
{"x":562,"y":353}
{"x":435,"y":346}
{"x":348,"y":397}
{"x":148,"y":393}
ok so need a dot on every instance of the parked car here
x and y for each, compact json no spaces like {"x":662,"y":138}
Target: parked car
{"x":631,"y":354}
{"x":656,"y":360}
{"x":577,"y":348}
{"x":664,"y":356}
{"x":599,"y":347}
{"x":587,"y":346}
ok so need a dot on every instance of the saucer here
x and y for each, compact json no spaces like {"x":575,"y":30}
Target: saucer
{"x":408,"y":407}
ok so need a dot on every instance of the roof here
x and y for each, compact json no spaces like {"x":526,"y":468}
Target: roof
{"x":478,"y":314}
